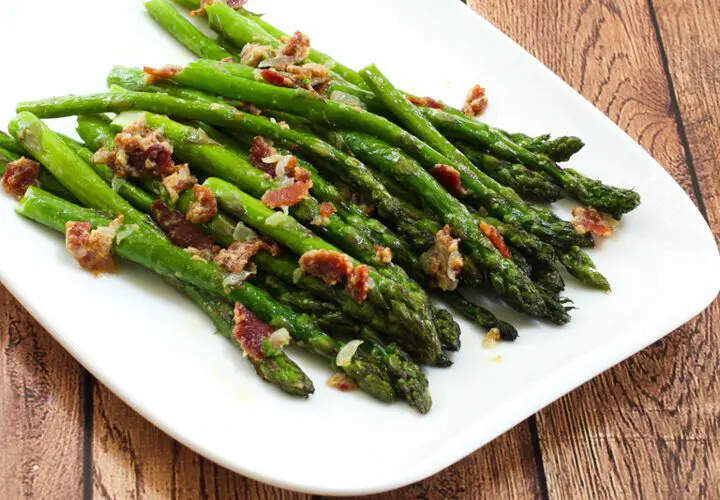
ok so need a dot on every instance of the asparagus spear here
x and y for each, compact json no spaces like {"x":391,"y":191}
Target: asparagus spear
{"x":613,"y":200}
{"x":558,"y":149}
{"x":409,"y":381}
{"x":149,"y":248}
{"x":276,"y":367}
{"x":46,"y":180}
{"x":503,"y":273}
{"x":184,"y":32}
{"x":529,"y":184}
{"x":9,"y":143}
{"x":404,"y":305}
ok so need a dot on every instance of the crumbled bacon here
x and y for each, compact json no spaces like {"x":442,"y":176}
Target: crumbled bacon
{"x":250,"y":332}
{"x":203,"y":207}
{"x":427,"y":102}
{"x":276,"y":78}
{"x":588,"y":220}
{"x":327,"y":209}
{"x":476,"y":101}
{"x":235,"y":258}
{"x":443,"y":262}
{"x":341,"y":382}
{"x":153,"y":75}
{"x":359,"y":283}
{"x":496,"y":238}
{"x":383,"y":254}
{"x":179,"y":230}
{"x":328,"y":265}
{"x":288,"y":196}
{"x":297,"y":47}
{"x":261,"y":149}
{"x":449,"y":178}
{"x":179,"y":181}
{"x":139,"y":152}
{"x":19,"y":176}
{"x":92,"y":248}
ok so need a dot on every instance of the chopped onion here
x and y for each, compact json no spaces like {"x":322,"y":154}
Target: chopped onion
{"x":370,"y":283}
{"x":279,"y":338}
{"x":276,"y":218}
{"x":285,"y":209}
{"x":234,"y":279}
{"x":276,"y":62}
{"x":199,"y":136}
{"x":344,"y":357}
{"x":281,"y":167}
{"x":125,"y":231}
{"x":116,"y":183}
{"x":345,"y":98}
{"x":243,"y":233}
{"x":272,"y":158}
{"x":297,"y":275}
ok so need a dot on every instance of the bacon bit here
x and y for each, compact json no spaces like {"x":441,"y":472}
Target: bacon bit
{"x":179,"y":181}
{"x":475,"y":102}
{"x":250,"y":332}
{"x":275,"y":78}
{"x":427,"y":102}
{"x":139,"y":152}
{"x":383,"y":254}
{"x":178,"y":229}
{"x":236,"y":257}
{"x":204,"y":206}
{"x":20,"y":175}
{"x":341,"y":382}
{"x":327,"y":209}
{"x":248,"y":108}
{"x":261,"y":149}
{"x":449,"y":178}
{"x":492,"y":338}
{"x":153,"y":75}
{"x":288,"y":196}
{"x":589,"y":220}
{"x":496,"y":238}
{"x":443,"y":262}
{"x":297,"y":47}
{"x":359,"y":283}
{"x":328,"y":265}
{"x":234,"y":4}
{"x":92,"y":248}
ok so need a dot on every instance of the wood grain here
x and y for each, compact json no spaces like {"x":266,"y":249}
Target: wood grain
{"x":647,"y":428}
{"x":41,"y":426}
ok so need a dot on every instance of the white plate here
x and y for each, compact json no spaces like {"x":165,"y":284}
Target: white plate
{"x":156,"y":351}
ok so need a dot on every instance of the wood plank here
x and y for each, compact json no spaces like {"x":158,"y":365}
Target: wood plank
{"x":504,"y":468}
{"x":648,"y":428}
{"x":41,"y":436}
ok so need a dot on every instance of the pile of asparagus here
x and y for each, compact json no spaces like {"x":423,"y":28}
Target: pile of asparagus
{"x":362,"y":136}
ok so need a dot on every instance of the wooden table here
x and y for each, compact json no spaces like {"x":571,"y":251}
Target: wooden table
{"x":648,"y":428}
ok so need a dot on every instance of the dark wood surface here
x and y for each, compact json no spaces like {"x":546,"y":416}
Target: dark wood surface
{"x":648,"y":428}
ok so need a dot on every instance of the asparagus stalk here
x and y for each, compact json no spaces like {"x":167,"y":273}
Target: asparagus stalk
{"x":529,"y":184}
{"x":151,"y":250}
{"x":146,"y":248}
{"x":509,"y":281}
{"x":276,"y":367}
{"x":11,"y":144}
{"x":46,"y":180}
{"x":613,"y":200}
{"x":184,"y":32}
{"x":558,"y":149}
{"x":404,"y":306}
{"x":409,"y":381}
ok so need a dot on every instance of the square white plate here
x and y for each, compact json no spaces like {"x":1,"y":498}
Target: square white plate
{"x":157,"y":352}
